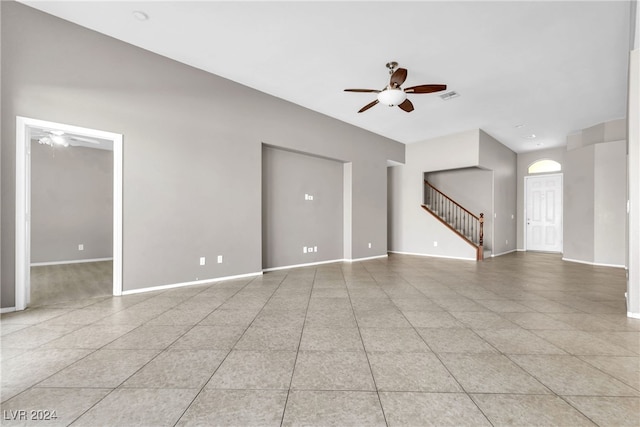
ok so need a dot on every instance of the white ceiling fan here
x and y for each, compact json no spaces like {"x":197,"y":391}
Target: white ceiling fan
{"x":58,"y":138}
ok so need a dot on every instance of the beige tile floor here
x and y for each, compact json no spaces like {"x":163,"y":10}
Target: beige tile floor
{"x":53,"y":283}
{"x":523,"y":339}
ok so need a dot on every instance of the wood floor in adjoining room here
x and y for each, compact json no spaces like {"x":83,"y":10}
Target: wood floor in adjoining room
{"x":522,"y":339}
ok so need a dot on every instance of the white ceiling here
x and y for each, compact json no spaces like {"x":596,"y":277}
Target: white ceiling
{"x":554,"y":67}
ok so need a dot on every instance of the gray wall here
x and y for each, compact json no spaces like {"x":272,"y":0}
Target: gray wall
{"x":71,"y":203}
{"x":613,"y":130}
{"x":414,"y":231}
{"x":192,"y":149}
{"x":595,"y":194}
{"x":502,"y":161}
{"x":289,"y":222}
{"x":2,"y":206}
{"x":578,"y":203}
{"x":610,"y":198}
{"x":633,"y":179}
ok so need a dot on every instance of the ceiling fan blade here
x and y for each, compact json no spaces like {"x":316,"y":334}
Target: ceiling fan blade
{"x":406,"y":105}
{"x":425,"y":88}
{"x":362,"y":90}
{"x":398,"y":77}
{"x":83,"y":139}
{"x":369,"y":105}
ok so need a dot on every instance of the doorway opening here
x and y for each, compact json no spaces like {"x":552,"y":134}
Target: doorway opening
{"x":543,"y":213}
{"x":58,"y":136}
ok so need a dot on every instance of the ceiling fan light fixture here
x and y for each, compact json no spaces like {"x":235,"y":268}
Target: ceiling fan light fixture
{"x":392,"y":97}
{"x":45,"y":140}
{"x":53,"y":141}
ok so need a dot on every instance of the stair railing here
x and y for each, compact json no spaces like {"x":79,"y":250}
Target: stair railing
{"x":462,"y":221}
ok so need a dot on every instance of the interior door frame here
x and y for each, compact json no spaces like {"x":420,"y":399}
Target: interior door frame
{"x":524,"y":219}
{"x":23,"y":202}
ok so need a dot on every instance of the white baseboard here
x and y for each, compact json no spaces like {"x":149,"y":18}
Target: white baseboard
{"x":7,"y":310}
{"x":633,"y":315}
{"x":182,"y":284}
{"x":432,"y":256}
{"x":309,"y":264}
{"x":597,"y":264}
{"x":504,"y":253}
{"x":77,"y":261}
{"x":367,"y":258}
{"x":521,"y":250}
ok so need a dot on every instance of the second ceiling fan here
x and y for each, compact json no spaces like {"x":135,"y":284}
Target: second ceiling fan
{"x":393,"y":94}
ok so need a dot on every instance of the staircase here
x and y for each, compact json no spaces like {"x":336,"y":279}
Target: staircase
{"x":461,"y":221}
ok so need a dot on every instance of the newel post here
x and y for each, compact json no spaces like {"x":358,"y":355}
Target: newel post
{"x":481,"y":238}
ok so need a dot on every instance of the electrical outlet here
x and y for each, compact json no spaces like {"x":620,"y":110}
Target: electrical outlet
{"x":81,"y":247}
{"x":315,"y":249}
{"x":435,"y":244}
{"x":506,"y":242}
{"x":304,"y":250}
{"x":219,"y":259}
{"x":369,"y":245}
{"x":203,"y":260}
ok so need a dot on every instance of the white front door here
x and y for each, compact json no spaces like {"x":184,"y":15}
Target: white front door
{"x":543,"y":213}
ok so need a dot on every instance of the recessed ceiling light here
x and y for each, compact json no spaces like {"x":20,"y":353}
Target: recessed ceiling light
{"x":532,"y":136}
{"x":519,"y":126}
{"x":140,"y":15}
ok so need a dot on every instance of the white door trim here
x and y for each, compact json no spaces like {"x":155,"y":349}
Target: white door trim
{"x":524,"y":218}
{"x":23,"y":203}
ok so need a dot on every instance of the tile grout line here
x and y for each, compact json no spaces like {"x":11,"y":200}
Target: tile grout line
{"x":553,"y":393}
{"x":375,"y":384}
{"x":145,"y":364}
{"x":295,"y":362}
{"x":429,"y":347}
{"x":580,"y":357}
{"x":231,"y":347}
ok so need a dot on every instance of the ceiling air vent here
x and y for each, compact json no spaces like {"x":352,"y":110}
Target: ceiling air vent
{"x":449,"y":95}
